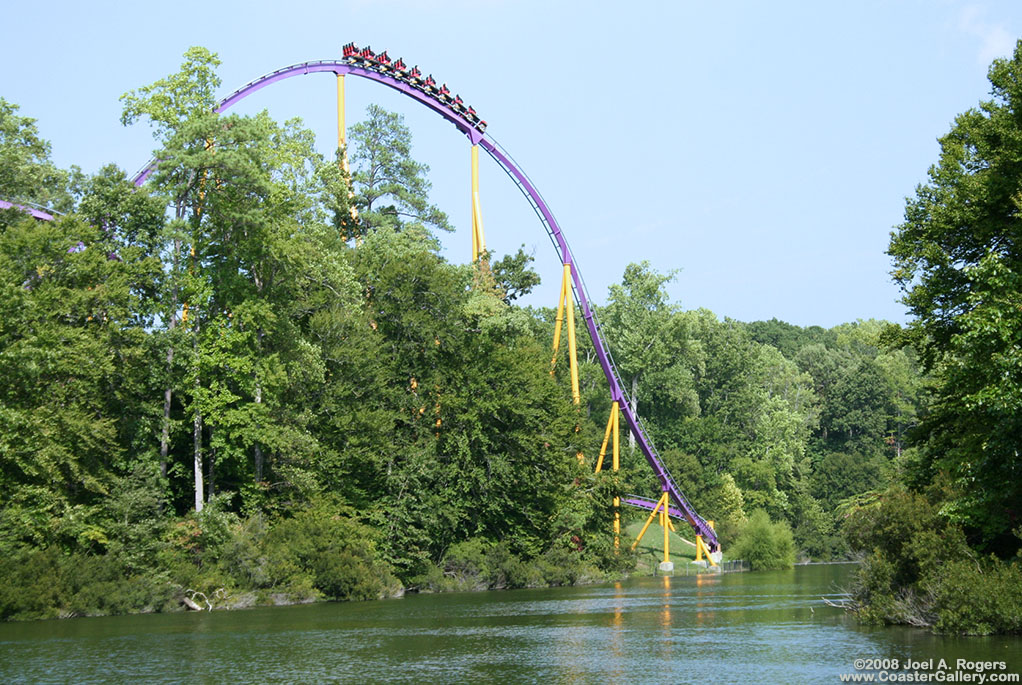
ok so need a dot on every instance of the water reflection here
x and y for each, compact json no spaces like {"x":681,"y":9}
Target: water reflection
{"x":752,"y":627}
{"x":706,"y":596}
{"x":617,"y":637}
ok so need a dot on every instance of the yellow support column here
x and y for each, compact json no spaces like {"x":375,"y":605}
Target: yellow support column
{"x":342,"y":144}
{"x":667,"y":530}
{"x":566,"y":307}
{"x":560,"y":320}
{"x":662,"y":502}
{"x":606,"y":437}
{"x":612,"y":429}
{"x":701,"y":549}
{"x":341,"y":128}
{"x":616,"y":413}
{"x":576,"y":396}
{"x":478,"y":238}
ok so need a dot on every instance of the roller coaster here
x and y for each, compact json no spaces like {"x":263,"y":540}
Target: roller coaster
{"x":395,"y":74}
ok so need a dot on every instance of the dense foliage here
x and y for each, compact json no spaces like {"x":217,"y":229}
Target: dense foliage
{"x":947,"y":552}
{"x":228,"y":387}
{"x":765,"y":544}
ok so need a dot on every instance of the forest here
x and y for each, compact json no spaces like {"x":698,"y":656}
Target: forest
{"x":255,"y":379}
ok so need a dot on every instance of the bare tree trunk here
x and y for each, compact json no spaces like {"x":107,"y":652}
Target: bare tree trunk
{"x":197,"y":429}
{"x":258,"y":450}
{"x":197,"y":440}
{"x":168,"y":393}
{"x":211,"y":482}
{"x":165,"y":436}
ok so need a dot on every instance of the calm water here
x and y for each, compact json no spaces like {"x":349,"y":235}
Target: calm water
{"x":742,"y":627}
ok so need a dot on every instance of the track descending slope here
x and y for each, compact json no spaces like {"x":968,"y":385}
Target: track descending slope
{"x":438,"y":98}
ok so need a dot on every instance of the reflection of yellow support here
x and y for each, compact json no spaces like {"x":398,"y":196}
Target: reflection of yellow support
{"x":478,"y":239}
{"x":661,"y":503}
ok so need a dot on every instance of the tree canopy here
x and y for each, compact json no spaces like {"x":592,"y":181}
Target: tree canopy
{"x":958,"y":259}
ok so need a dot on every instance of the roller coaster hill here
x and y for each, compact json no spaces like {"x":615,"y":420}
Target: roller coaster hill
{"x":396,"y":74}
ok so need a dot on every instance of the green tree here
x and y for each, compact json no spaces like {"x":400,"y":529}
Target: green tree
{"x":957,"y":260}
{"x":186,"y":97}
{"x":72,"y":346}
{"x":765,"y":544}
{"x":391,"y":188}
{"x":26,"y":172}
{"x":253,"y":262}
{"x":786,"y":337}
{"x":514,"y":276}
{"x":654,"y":352}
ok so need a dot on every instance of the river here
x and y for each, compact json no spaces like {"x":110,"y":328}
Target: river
{"x":769,"y":627}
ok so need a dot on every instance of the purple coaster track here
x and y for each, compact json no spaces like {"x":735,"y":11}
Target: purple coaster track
{"x":35,"y":213}
{"x":477,"y":137}
{"x":650,"y":505}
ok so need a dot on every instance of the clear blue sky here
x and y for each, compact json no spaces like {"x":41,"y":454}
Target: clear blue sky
{"x":764,"y":149}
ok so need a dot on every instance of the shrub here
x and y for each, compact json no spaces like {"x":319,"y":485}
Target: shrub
{"x":48,"y":584}
{"x":765,"y":544}
{"x":333,"y":551}
{"x":562,"y":566}
{"x":479,"y":564}
{"x":889,"y":525}
{"x":920,"y":570}
{"x":32,"y":585}
{"x":974,"y":598}
{"x":98,"y":586}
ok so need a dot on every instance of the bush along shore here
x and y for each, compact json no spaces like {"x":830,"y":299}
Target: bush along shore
{"x":218,"y":561}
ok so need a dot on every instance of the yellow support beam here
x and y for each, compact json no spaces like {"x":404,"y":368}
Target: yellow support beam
{"x":566,"y":308}
{"x":665,"y":522}
{"x":702,"y":549}
{"x":341,"y":128}
{"x":616,"y":413}
{"x":612,"y":429}
{"x":478,"y":238}
{"x":661,"y":502}
{"x":560,"y":321}
{"x":616,"y":463}
{"x":342,"y":140}
{"x":475,"y":235}
{"x":576,"y":396}
{"x":617,"y":522}
{"x":606,"y":437}
{"x":342,"y":144}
